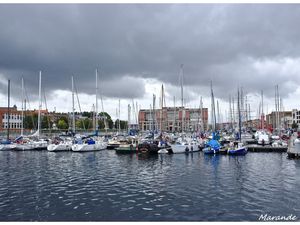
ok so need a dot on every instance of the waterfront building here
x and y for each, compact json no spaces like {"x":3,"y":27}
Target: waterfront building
{"x":173,"y":119}
{"x":296,"y":116}
{"x":280,"y":120}
{"x":15,"y":119}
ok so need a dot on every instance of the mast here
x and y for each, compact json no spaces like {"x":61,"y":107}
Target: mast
{"x":218,"y":110}
{"x":73,"y":109}
{"x":233,"y":112}
{"x":119,"y":116}
{"x":8,"y":108}
{"x":163,"y":103}
{"x":174,"y":119}
{"x":201,"y":114}
{"x":262,"y":111}
{"x":22,"y":115}
{"x":213,"y":108}
{"x":154,"y":113}
{"x":128,"y":123}
{"x":40,"y":104}
{"x":182,"y":103}
{"x":151,"y":119}
{"x":239,"y":113}
{"x":230,"y":112}
{"x":96,"y":127}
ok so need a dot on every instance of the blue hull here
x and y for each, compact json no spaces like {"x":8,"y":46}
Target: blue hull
{"x":209,"y":151}
{"x":239,"y":151}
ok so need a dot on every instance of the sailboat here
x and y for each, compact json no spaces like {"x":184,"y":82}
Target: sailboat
{"x":7,"y":145}
{"x":34,"y":142}
{"x":91,"y":143}
{"x":64,"y":144}
{"x":240,"y":149}
{"x":213,"y":146}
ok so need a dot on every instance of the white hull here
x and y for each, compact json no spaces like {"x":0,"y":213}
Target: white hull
{"x":87,"y":147}
{"x":39,"y":145}
{"x":59,"y":147}
{"x":36,"y":145}
{"x":23,"y":147}
{"x":184,"y":148}
{"x":7,"y":147}
{"x":163,"y":151}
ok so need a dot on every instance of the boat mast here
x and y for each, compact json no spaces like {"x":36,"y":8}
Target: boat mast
{"x":213,"y":108}
{"x":239,"y":113}
{"x":8,"y":107}
{"x":22,"y":115}
{"x":40,"y":105}
{"x":96,"y":126}
{"x":154,"y":114}
{"x":73,"y":109}
{"x":161,"y":108}
{"x":262,"y":111}
{"x":201,"y":113}
{"x":174,"y":122}
{"x":119,"y":116}
{"x":182,"y":103}
{"x":128,"y":123}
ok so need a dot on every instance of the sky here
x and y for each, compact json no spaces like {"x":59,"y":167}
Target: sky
{"x":138,"y":47}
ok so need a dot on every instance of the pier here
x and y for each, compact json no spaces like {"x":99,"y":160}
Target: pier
{"x":294,"y":149}
{"x":265,"y":148}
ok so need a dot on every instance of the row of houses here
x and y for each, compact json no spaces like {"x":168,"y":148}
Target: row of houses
{"x":171,"y":119}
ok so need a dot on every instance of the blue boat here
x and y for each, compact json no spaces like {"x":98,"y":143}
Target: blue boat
{"x":242,"y":150}
{"x":212,"y":147}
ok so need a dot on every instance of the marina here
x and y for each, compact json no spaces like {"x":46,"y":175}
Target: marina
{"x":149,"y":112}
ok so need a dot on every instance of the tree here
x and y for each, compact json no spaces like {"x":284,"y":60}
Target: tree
{"x":294,"y":125}
{"x":30,"y":122}
{"x":104,"y":116}
{"x":46,"y":123}
{"x":123,"y":124}
{"x":62,"y":124}
{"x":84,"y":123}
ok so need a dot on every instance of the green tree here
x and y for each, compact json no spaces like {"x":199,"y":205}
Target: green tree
{"x":105,"y":116}
{"x":123,"y":124}
{"x":46,"y":123}
{"x":84,"y":123}
{"x":294,"y":125}
{"x":62,"y":124}
{"x":30,"y":121}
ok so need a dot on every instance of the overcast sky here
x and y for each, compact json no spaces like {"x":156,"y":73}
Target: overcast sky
{"x":138,"y":47}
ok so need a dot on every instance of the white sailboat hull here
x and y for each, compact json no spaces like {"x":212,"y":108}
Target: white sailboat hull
{"x":24,"y":147}
{"x":59,"y":147}
{"x":184,"y":148}
{"x":7,"y":147}
{"x":87,"y":147}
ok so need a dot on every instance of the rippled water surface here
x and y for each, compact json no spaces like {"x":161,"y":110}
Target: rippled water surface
{"x":105,"y":186}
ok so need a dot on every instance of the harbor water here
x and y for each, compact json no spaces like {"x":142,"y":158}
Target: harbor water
{"x":105,"y":186}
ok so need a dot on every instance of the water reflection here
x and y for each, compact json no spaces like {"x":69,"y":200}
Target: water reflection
{"x":105,"y":186}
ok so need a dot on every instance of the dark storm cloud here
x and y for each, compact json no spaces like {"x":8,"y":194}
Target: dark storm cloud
{"x":219,"y":42}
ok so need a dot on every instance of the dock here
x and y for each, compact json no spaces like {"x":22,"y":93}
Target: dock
{"x":294,"y":149}
{"x":265,"y":148}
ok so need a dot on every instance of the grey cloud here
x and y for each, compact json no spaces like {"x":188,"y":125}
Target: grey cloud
{"x":217,"y":42}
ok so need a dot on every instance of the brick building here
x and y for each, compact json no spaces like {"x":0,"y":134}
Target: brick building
{"x":173,"y":119}
{"x":15,"y":119}
{"x":284,"y":119}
